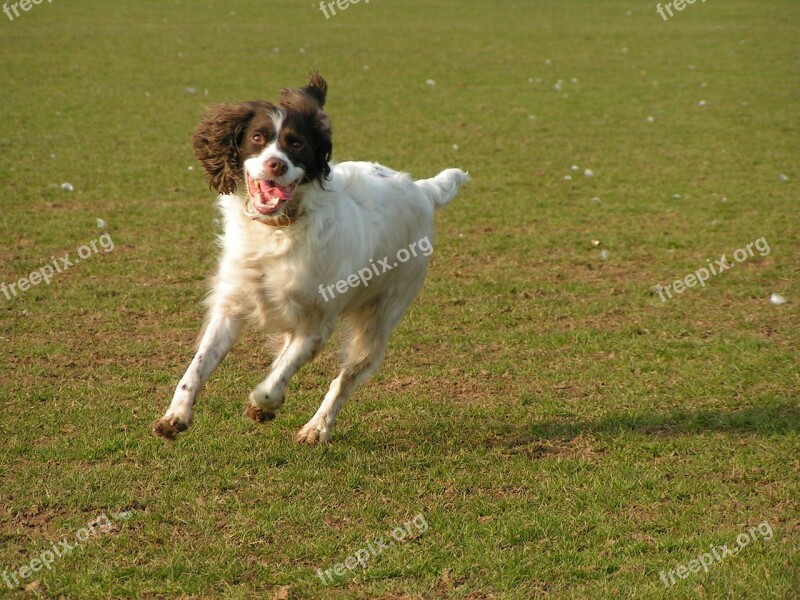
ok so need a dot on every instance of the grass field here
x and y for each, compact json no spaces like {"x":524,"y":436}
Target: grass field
{"x":561,"y":430}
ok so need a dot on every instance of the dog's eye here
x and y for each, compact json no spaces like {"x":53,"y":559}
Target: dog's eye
{"x":296,"y":145}
{"x":257,"y":138}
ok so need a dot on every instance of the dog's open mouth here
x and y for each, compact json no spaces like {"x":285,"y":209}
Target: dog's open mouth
{"x":267,"y":195}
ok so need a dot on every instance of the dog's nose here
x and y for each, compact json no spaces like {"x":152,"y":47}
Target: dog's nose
{"x":276,"y":167}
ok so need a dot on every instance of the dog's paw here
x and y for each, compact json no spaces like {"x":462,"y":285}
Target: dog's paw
{"x":270,"y":399}
{"x":168,"y":428}
{"x":313,"y":434}
{"x":257,"y":414}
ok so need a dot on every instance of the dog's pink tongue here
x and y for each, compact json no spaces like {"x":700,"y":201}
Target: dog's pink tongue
{"x":283,"y":192}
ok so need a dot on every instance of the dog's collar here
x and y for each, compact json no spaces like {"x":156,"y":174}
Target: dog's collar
{"x":283,"y":220}
{"x":286,"y":219}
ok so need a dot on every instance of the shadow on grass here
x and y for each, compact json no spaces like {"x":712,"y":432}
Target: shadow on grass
{"x":773,"y":419}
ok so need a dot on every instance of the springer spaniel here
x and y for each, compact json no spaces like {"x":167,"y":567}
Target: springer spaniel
{"x":305,"y":242}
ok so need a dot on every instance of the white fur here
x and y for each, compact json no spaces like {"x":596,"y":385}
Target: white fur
{"x":256,"y":166}
{"x":365,"y":213}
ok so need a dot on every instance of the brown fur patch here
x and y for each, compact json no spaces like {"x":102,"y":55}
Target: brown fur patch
{"x":167,"y":429}
{"x":216,"y":142}
{"x":257,"y":414}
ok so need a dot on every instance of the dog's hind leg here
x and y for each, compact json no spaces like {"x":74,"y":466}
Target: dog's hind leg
{"x":368,"y":331}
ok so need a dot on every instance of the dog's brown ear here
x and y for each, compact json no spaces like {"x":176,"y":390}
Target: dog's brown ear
{"x":216,"y":143}
{"x":324,"y":144}
{"x":317,"y":89}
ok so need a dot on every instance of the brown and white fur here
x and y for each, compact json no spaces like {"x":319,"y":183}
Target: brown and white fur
{"x":295,"y":224}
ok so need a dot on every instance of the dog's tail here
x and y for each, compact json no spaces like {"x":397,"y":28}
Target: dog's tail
{"x":442,"y":188}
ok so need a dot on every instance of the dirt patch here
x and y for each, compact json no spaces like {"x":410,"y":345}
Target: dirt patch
{"x":581,"y":445}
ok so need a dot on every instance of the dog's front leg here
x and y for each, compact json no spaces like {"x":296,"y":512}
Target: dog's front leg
{"x":220,"y":334}
{"x":299,"y":348}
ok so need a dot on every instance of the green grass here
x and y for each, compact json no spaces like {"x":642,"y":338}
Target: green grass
{"x":564,"y":432}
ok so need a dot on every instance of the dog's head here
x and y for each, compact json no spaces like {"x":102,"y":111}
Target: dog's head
{"x":267,"y":151}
